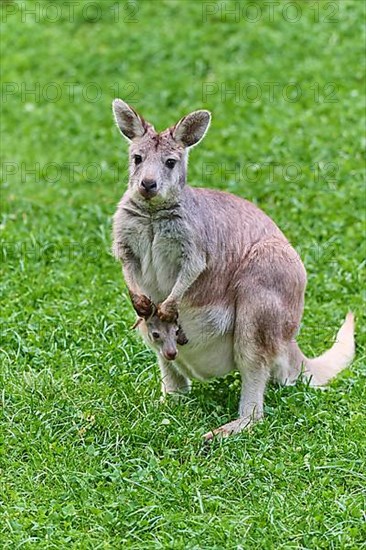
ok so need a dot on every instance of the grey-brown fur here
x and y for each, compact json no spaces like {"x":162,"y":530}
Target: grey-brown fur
{"x":217,"y":259}
{"x":163,"y":336}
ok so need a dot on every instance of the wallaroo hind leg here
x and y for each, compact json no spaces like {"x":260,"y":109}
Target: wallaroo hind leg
{"x":262,"y":331}
{"x":172,"y":381}
{"x":255,"y":372}
{"x":288,"y":365}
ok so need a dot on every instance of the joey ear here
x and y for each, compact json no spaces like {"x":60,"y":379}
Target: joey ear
{"x":137,"y":322}
{"x":192,"y":128}
{"x":130,"y":123}
{"x":182,"y":339}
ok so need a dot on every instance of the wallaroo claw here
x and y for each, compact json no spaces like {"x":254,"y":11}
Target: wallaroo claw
{"x":168,"y":312}
{"x":143,"y":306}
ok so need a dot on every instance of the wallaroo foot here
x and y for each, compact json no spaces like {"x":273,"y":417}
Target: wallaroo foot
{"x":142,"y":305}
{"x":176,"y":393}
{"x":168,"y":311}
{"x":231,"y":428}
{"x":177,"y":396}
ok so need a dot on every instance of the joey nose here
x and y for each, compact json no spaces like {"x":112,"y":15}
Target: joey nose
{"x":149,"y":185}
{"x":170,"y":355}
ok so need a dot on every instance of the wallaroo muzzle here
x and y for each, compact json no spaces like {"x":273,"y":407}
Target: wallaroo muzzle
{"x":148,"y":188}
{"x":170,"y":354}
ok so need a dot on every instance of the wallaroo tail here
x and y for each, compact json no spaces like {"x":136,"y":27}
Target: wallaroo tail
{"x":325,"y":367}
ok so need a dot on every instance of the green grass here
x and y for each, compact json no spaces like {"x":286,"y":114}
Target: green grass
{"x":89,"y":458}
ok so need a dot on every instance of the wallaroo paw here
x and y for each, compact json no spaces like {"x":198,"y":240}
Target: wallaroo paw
{"x":142,"y":305}
{"x":168,"y":312}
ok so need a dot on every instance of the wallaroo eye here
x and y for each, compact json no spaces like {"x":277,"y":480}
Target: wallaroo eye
{"x":170,"y":163}
{"x":137,"y":159}
{"x":155,"y":335}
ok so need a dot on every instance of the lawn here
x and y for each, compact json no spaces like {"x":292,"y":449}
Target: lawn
{"x":89,"y":458}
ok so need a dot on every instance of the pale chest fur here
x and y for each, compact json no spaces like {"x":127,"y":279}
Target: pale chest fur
{"x":158,"y":246}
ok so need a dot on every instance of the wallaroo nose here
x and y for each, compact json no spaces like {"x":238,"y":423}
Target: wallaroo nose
{"x":149,"y":185}
{"x":170,"y":354}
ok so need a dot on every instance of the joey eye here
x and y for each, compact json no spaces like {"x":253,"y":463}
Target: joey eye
{"x":137,"y":159}
{"x":155,"y":335}
{"x":170,"y":163}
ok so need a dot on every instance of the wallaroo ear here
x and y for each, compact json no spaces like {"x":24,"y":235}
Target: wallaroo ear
{"x":137,"y":322}
{"x":130,"y":123}
{"x":191,"y":129}
{"x":182,"y":339}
